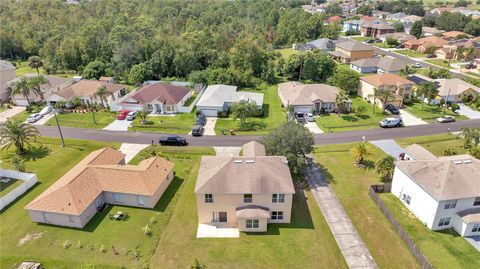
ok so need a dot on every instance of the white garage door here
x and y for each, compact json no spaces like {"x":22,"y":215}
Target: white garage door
{"x":304,"y":109}
{"x":20,"y":102}
{"x":209,"y":112}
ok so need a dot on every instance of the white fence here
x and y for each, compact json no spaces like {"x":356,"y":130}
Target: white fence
{"x":188,"y":109}
{"x":28,"y":181}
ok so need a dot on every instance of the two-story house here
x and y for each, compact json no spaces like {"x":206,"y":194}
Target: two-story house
{"x":400,"y":88}
{"x":350,"y":50}
{"x":376,"y":29}
{"x":246,"y":192}
{"x":441,"y":192}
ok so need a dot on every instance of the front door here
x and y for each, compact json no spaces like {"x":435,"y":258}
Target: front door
{"x":219,"y":217}
{"x":317,"y":107}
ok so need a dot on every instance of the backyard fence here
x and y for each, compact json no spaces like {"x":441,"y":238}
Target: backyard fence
{"x":188,"y":109}
{"x":28,"y":181}
{"x":414,"y":249}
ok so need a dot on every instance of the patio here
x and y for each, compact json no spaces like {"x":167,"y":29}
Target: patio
{"x":212,"y":231}
{"x":474,"y":241}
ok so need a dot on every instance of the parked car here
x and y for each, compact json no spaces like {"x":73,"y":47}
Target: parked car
{"x":470,"y":66}
{"x":201,"y":119}
{"x":34,"y":117}
{"x":46,"y":110}
{"x":173,"y":140}
{"x":122,"y":114}
{"x":131,"y":115}
{"x":391,"y":122}
{"x":392,"y":109}
{"x":197,"y":130}
{"x":377,"y":56}
{"x":300,"y":116}
{"x":370,"y":41}
{"x":400,"y":47}
{"x":377,"y":41}
{"x":418,"y":65}
{"x":431,"y":56}
{"x":309,"y":117}
{"x":445,"y":119}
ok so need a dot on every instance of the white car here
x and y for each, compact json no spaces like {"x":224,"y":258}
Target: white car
{"x":391,"y":122}
{"x":309,"y":117}
{"x":46,"y":110}
{"x":34,"y":117}
{"x":446,"y":119}
{"x":418,"y":65}
{"x":131,"y":115}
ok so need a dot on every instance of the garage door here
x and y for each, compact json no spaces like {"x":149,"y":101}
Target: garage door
{"x":209,"y":112}
{"x":20,"y":102}
{"x":303,"y":109}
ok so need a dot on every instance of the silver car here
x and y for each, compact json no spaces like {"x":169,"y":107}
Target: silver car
{"x":34,"y":117}
{"x":309,"y":117}
{"x":446,"y":119}
{"x":131,"y":115}
{"x":391,"y":122}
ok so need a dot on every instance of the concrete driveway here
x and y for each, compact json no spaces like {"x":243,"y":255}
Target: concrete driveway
{"x":210,"y":126}
{"x":390,"y":147}
{"x":44,"y":119}
{"x":5,"y":115}
{"x":119,"y":125}
{"x":313,"y":127}
{"x":409,"y":119}
{"x":131,"y":150}
{"x":468,"y":112}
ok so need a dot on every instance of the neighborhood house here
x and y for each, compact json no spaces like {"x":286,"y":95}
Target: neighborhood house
{"x":245,"y":192}
{"x":400,"y":88}
{"x":7,"y":73}
{"x":47,"y":89}
{"x":441,"y":192}
{"x":378,"y":65}
{"x":219,"y":98}
{"x":101,"y":178}
{"x":454,"y":89}
{"x":351,"y":50}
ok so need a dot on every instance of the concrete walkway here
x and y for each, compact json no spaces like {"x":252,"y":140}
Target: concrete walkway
{"x":389,"y":146}
{"x":354,"y":250}
{"x":313,"y":127}
{"x":5,"y":115}
{"x":131,"y":150}
{"x":210,"y":126}
{"x":227,"y":151}
{"x":409,"y":119}
{"x":119,"y":125}
{"x":474,"y":241}
{"x":468,"y":112}
{"x":211,"y":231}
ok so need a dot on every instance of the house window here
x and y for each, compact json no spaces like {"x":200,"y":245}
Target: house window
{"x":477,"y":201}
{"x":476,"y":228}
{"x":278,"y":198}
{"x":450,"y":204}
{"x":444,"y":222}
{"x":406,"y":198}
{"x":277,"y":215}
{"x":247,"y":198}
{"x":252,"y":224}
{"x":219,"y":217}
{"x":208,"y":198}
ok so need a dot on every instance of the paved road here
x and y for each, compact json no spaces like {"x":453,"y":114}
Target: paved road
{"x":237,"y":141}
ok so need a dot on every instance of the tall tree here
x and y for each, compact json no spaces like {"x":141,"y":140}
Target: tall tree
{"x":35,"y":83}
{"x":102,"y":94}
{"x":347,"y":80}
{"x":427,"y":90}
{"x":18,"y":134}
{"x":341,"y":101}
{"x":35,"y":62}
{"x":94,"y":70}
{"x":385,"y":167}
{"x":243,"y":110}
{"x":416,"y":29}
{"x":22,"y":87}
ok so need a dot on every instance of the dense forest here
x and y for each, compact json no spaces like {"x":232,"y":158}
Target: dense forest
{"x":151,"y":39}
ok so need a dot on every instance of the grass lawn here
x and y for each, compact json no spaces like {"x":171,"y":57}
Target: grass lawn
{"x":304,"y":243}
{"x":287,"y":52}
{"x":445,"y":249}
{"x":411,"y":53}
{"x":273,"y":117}
{"x":361,"y":38}
{"x":474,"y":74}
{"x":347,"y":122}
{"x":383,"y":45}
{"x":179,"y":124}
{"x":84,"y":120}
{"x":6,"y":187}
{"x":133,"y":249}
{"x":441,"y":62}
{"x":22,"y":116}
{"x":190,"y":100}
{"x":429,"y":112}
{"x":351,"y":184}
{"x":22,"y":69}
{"x":435,"y":143}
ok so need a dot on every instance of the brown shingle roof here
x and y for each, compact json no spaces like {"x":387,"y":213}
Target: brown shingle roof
{"x":351,"y":45}
{"x":385,"y":79}
{"x":253,"y":212}
{"x":390,"y":64}
{"x":454,"y":34}
{"x":165,"y":93}
{"x":101,"y":170}
{"x":253,"y":149}
{"x":297,"y":93}
{"x":87,"y":88}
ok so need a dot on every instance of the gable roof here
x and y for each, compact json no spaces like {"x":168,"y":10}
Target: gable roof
{"x":55,"y":84}
{"x":101,"y":170}
{"x":322,"y":43}
{"x":454,"y":34}
{"x":387,"y":63}
{"x":218,"y":95}
{"x":164,"y":93}
{"x":252,"y":149}
{"x":454,"y":86}
{"x":380,"y":26}
{"x":6,"y":65}
{"x":87,"y":88}
{"x":418,"y":152}
{"x":385,"y":79}
{"x":297,"y":93}
{"x":366,"y":62}
{"x":351,"y":45}
{"x":445,"y":178}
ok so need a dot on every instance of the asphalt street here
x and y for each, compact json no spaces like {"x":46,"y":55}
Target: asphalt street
{"x":238,"y":140}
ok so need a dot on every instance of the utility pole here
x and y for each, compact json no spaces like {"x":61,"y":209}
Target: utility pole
{"x":445,"y":105}
{"x":93,"y":113}
{"x":59,"y":130}
{"x":301,"y":68}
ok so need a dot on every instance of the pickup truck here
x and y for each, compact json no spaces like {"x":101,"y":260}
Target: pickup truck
{"x":173,"y":140}
{"x":300,"y":117}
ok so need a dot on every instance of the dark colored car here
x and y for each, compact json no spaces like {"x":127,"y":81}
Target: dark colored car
{"x":392,"y":109}
{"x":378,"y":41}
{"x":400,"y":47}
{"x":300,"y":116}
{"x":173,"y":140}
{"x":431,"y":56}
{"x":470,"y":66}
{"x":201,"y":119}
{"x":370,"y":41}
{"x":197,"y":130}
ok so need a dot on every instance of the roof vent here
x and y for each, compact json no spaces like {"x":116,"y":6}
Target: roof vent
{"x":238,"y":161}
{"x":250,"y":161}
{"x":457,"y":162}
{"x":467,"y":161}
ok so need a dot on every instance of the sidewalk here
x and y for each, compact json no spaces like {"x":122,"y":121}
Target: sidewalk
{"x":354,"y":250}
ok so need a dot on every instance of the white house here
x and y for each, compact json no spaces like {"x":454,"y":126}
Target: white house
{"x":441,"y":192}
{"x":218,"y":98}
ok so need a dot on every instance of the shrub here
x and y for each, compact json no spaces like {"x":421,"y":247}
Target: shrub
{"x":454,"y":107}
{"x":449,"y":152}
{"x":147,"y":230}
{"x":67,"y":244}
{"x":79,"y":244}
{"x":19,"y":163}
{"x":359,"y":110}
{"x":153,"y":220}
{"x":391,"y":41}
{"x":475,"y":151}
{"x":102,"y":249}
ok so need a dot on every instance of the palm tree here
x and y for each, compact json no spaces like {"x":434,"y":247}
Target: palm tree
{"x":376,"y":95}
{"x":360,"y":152}
{"x":35,"y":83}
{"x":385,"y":168}
{"x":22,"y":87}
{"x":469,"y":53}
{"x":290,"y":111}
{"x":427,"y":90}
{"x":35,"y":62}
{"x":384,"y":95}
{"x":470,"y":135}
{"x":18,"y":134}
{"x":341,"y":101}
{"x":407,"y":70}
{"x":197,"y":265}
{"x":102,"y":92}
{"x":142,"y":115}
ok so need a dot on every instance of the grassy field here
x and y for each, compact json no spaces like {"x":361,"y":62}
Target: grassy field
{"x":430,"y":112}
{"x":445,"y":249}
{"x":347,"y":122}
{"x":22,"y":116}
{"x":351,"y":185}
{"x":287,"y":52}
{"x":361,"y":38}
{"x":22,"y":68}
{"x":84,"y":120}
{"x":383,"y":45}
{"x":441,"y":62}
{"x":6,"y":187}
{"x":435,"y":143}
{"x":411,"y":53}
{"x":179,"y":124}
{"x":273,"y":117}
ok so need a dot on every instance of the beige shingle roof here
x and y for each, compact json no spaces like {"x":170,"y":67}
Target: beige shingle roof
{"x":101,"y":170}
{"x":455,"y":86}
{"x":351,"y":45}
{"x":419,"y":153}
{"x":385,"y":79}
{"x":445,"y":178}
{"x":253,"y":149}
{"x":253,"y":212}
{"x":87,"y":88}
{"x":297,"y":93}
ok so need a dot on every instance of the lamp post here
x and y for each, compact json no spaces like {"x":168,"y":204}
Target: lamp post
{"x":59,"y":130}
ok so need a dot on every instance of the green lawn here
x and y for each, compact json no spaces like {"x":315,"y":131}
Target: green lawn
{"x":411,"y":53}
{"x":445,"y":249}
{"x":84,"y":120}
{"x":287,"y":52}
{"x":6,"y":187}
{"x":361,"y":38}
{"x":348,"y":122}
{"x":383,"y":45}
{"x":429,"y":112}
{"x":22,"y":116}
{"x":351,"y":184}
{"x":435,"y":143}
{"x":441,"y":62}
{"x":22,"y":68}
{"x":273,"y":117}
{"x":179,"y":124}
